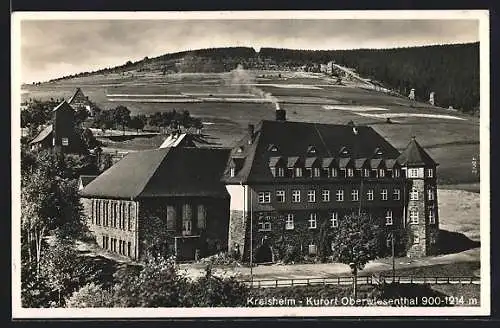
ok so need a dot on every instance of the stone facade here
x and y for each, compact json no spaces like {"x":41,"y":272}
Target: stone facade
{"x":423,"y":220}
{"x":114,"y":224}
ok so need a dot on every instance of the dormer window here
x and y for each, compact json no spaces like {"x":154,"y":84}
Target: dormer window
{"x":381,"y":173}
{"x":350,"y":172}
{"x":280,"y":172}
{"x":240,"y":150}
{"x":272,"y":148}
{"x":366,"y":173}
{"x":232,"y":172}
{"x":378,"y":152}
{"x":344,"y":151}
{"x":311,"y":150}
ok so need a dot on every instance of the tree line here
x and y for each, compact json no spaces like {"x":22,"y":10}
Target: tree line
{"x":120,"y":117}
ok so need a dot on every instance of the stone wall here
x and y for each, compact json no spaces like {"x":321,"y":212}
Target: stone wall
{"x":110,"y":232}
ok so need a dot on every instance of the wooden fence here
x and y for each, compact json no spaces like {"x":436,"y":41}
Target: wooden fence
{"x":362,"y":280}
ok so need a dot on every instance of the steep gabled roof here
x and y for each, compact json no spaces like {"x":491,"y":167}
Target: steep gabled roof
{"x":165,"y":172}
{"x":78,"y":93}
{"x":414,"y":154}
{"x":63,"y":106}
{"x":43,"y":134}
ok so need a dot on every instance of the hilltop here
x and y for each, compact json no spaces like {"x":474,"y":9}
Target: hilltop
{"x":451,"y":71}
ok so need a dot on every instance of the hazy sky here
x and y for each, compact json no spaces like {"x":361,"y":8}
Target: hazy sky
{"x":53,"y":48}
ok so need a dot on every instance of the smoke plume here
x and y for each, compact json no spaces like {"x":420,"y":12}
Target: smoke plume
{"x":245,"y":82}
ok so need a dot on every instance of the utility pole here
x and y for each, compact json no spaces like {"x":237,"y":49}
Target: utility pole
{"x":251,"y":239}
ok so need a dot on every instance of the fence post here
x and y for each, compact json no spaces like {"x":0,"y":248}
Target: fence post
{"x":338,"y":280}
{"x":276,"y":283}
{"x":308,"y":282}
{"x":471,"y":280}
{"x":448,"y":279}
{"x":411,"y":279}
{"x":292,"y":282}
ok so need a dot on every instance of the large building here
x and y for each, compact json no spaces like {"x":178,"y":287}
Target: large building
{"x":178,"y":187}
{"x":60,"y":134}
{"x":291,"y":178}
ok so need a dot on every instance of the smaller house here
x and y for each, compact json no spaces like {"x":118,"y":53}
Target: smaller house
{"x":79,"y":100}
{"x":61,"y":134}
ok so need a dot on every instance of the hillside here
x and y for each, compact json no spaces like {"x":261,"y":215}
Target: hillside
{"x":451,"y":71}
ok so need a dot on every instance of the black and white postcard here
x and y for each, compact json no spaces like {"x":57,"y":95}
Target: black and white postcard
{"x":249,"y":164}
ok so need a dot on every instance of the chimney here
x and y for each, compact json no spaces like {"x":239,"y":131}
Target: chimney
{"x":280,"y":113}
{"x":251,"y":131}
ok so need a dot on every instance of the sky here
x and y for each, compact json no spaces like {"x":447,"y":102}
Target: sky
{"x":53,"y":48}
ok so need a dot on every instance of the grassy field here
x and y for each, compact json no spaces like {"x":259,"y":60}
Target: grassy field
{"x":306,"y":97}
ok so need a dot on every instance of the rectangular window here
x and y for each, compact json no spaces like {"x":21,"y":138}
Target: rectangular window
{"x":369,"y":194}
{"x":298,"y":172}
{"x":295,"y":196}
{"x":312,"y":249}
{"x":396,"y":173}
{"x":289,"y":222}
{"x":317,"y":172}
{"x":413,"y":216}
{"x":325,"y":195}
{"x":280,"y":196}
{"x":65,"y":141}
{"x":350,"y":172}
{"x":103,"y":242}
{"x":265,"y":224}
{"x":430,"y":173}
{"x":414,"y":194}
{"x":129,"y":220}
{"x":388,"y":217}
{"x":355,"y":195}
{"x":396,"y":194}
{"x":381,"y":173}
{"x":334,"y":172}
{"x":416,"y":239}
{"x":339,"y":196}
{"x":273,"y":171}
{"x":334,"y":220}
{"x":281,"y":172}
{"x":119,"y":246}
{"x":388,"y":241}
{"x":326,"y":172}
{"x":383,"y":194}
{"x":187,"y":227}
{"x":129,"y":248}
{"x":430,"y":194}
{"x":432,"y":216}
{"x":311,"y":196}
{"x":312,"y":221}
{"x":92,"y":215}
{"x":412,"y":173}
{"x":264,"y":197}
{"x":309,"y":172}
{"x":232,"y":171}
{"x":366,"y":173}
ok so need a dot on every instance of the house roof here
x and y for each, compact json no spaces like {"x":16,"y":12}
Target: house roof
{"x":343,"y":162}
{"x":292,"y":140}
{"x":86,"y":179}
{"x":164,"y":172}
{"x":274,"y":160}
{"x":414,"y":154}
{"x":310,"y":161}
{"x":328,"y":162}
{"x":63,"y":106}
{"x":43,"y":134}
{"x":376,"y":162}
{"x":78,"y":93}
{"x":359,"y":162}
